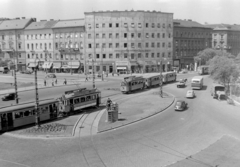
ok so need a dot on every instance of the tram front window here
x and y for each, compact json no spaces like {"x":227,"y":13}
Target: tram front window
{"x":123,"y":83}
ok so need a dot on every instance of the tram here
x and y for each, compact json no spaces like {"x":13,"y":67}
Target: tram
{"x":169,"y":77}
{"x":132,"y":83}
{"x":203,"y":70}
{"x":24,"y":114}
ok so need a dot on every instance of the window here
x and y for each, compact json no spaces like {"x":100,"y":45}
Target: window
{"x":110,"y":45}
{"x":158,"y":35}
{"x":163,"y":44}
{"x":146,"y":55}
{"x":152,"y":35}
{"x":104,"y":56}
{"x":153,"y":45}
{"x":89,"y":26}
{"x":117,"y":45}
{"x":97,"y":25}
{"x":36,"y":36}
{"x":117,"y":24}
{"x":28,"y":46}
{"x":50,"y":45}
{"x":146,"y":25}
{"x":27,"y":36}
{"x":132,"y":35}
{"x":19,"y":46}
{"x":153,"y":25}
{"x":132,"y":45}
{"x":19,"y":36}
{"x":110,"y":35}
{"x":81,"y":35}
{"x":169,"y":25}
{"x":110,"y":56}
{"x":158,"y":55}
{"x":132,"y":25}
{"x":158,"y":44}
{"x":49,"y":35}
{"x":139,"y":55}
{"x":163,"y":25}
{"x":163,"y":54}
{"x":146,"y":45}
{"x":97,"y":35}
{"x":117,"y":35}
{"x":36,"y":46}
{"x":163,"y":35}
{"x":110,"y":25}
{"x":103,"y":25}
{"x":169,"y":44}
{"x":147,"y":35}
{"x":132,"y":55}
{"x":40,"y":45}
{"x":169,"y":54}
{"x":125,"y":55}
{"x":159,"y":25}
{"x":125,"y":35}
{"x":139,"y":45}
{"x":103,"y":35}
{"x":76,"y":35}
{"x":125,"y":45}
{"x":139,"y":25}
{"x":97,"y":56}
{"x":28,"y":56}
{"x":97,"y":45}
{"x":32,"y":46}
{"x":103,"y":45}
{"x":125,"y":25}
{"x":89,"y":36}
{"x":152,"y":55}
{"x":139,"y":35}
{"x":169,"y":35}
{"x":117,"y":56}
{"x":45,"y":36}
{"x":89,"y":45}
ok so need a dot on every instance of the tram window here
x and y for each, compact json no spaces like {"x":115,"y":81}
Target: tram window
{"x":94,"y":97}
{"x":17,"y":115}
{"x":88,"y":98}
{"x":71,"y":101}
{"x":76,"y":101}
{"x":82,"y":99}
{"x":26,"y":113}
{"x":123,"y":84}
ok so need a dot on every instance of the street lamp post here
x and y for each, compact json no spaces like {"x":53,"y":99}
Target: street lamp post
{"x":161,"y":79}
{"x":93,"y":72}
{"x":15,"y":77}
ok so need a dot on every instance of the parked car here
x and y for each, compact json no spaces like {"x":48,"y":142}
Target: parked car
{"x":51,"y":76}
{"x":4,"y":70}
{"x":190,"y":94}
{"x":10,"y":96}
{"x":26,"y":72}
{"x":180,"y":105}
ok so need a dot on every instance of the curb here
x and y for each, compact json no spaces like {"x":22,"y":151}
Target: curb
{"x":135,"y":121}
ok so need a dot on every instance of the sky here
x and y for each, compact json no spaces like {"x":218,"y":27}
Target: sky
{"x":202,"y":11}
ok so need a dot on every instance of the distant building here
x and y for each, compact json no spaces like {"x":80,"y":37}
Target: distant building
{"x":189,"y":38}
{"x":12,"y":41}
{"x":226,"y":37}
{"x":128,"y":41}
{"x":68,"y":38}
{"x":39,"y":44}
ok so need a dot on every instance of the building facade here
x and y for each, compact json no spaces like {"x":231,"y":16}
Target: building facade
{"x":68,"y":46}
{"x":12,"y":41}
{"x":226,"y":37}
{"x":189,"y":37}
{"x":128,"y":41}
{"x":39,"y":45}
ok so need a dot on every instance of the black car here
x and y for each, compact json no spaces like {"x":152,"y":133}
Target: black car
{"x":10,"y":96}
{"x":180,"y":105}
{"x":51,"y":76}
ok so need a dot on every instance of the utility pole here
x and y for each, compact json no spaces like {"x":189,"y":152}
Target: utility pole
{"x":15,"y":76}
{"x":161,"y":80}
{"x":94,"y":54}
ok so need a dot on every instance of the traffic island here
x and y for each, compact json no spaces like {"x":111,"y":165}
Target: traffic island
{"x":136,"y":109}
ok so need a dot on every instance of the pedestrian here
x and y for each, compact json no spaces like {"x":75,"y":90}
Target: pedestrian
{"x":118,"y":74}
{"x":86,"y":79}
{"x":109,"y":102}
{"x":52,"y":82}
{"x":45,"y":82}
{"x":112,"y":74}
{"x":56,"y":81}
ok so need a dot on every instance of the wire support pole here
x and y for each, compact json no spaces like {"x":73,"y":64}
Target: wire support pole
{"x":161,"y":80}
{"x":37,"y":115}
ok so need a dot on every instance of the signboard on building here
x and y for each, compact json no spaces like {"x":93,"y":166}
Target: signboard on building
{"x":122,"y":63}
{"x":176,"y":63}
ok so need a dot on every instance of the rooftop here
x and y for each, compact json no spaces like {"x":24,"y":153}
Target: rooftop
{"x":69,"y":23}
{"x":14,"y":24}
{"x":43,"y":24}
{"x":117,"y":11}
{"x":187,"y":23}
{"x":234,"y":27}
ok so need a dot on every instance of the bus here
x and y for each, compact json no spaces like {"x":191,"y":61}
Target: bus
{"x":202,"y":70}
{"x":197,"y":82}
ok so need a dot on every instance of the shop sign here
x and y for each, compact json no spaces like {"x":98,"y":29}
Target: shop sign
{"x":122,"y":63}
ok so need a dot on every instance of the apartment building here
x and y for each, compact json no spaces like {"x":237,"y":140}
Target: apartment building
{"x":39,"y":45}
{"x":12,"y":41}
{"x":189,"y":37}
{"x":68,"y":38}
{"x":128,"y":41}
{"x":226,"y":37}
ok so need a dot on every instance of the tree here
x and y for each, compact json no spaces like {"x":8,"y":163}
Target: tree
{"x":224,"y":70}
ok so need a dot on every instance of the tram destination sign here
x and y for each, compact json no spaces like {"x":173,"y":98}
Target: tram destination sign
{"x":132,"y":50}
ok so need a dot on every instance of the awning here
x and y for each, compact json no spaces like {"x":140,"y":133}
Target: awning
{"x":74,"y":65}
{"x":57,"y":65}
{"x":133,"y":63}
{"x":44,"y":65}
{"x":49,"y":65}
{"x":149,"y":63}
{"x":121,"y":68}
{"x":33,"y":64}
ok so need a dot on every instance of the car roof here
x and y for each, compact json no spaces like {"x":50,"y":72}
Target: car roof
{"x":180,"y":101}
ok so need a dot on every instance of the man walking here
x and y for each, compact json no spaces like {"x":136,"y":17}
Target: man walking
{"x":56,"y":81}
{"x":45,"y":82}
{"x":52,"y":82}
{"x":86,"y":79}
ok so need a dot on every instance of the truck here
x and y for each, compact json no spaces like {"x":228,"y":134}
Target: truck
{"x":4,"y":70}
{"x":218,"y":91}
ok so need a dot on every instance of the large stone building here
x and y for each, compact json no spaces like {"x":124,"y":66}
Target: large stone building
{"x":68,"y":45}
{"x":189,"y":37}
{"x":226,"y":37}
{"x":128,"y":41}
{"x":12,"y":41}
{"x":39,"y":44}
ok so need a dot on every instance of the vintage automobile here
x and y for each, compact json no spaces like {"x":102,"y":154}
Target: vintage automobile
{"x":190,"y":94}
{"x":181,"y":83}
{"x":9,"y":96}
{"x":51,"y":76}
{"x":180,"y":105}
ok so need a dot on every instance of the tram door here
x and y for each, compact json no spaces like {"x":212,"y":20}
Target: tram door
{"x":51,"y":111}
{"x":3,"y":121}
{"x":10,"y":120}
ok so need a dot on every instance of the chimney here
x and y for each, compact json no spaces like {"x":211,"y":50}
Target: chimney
{"x":23,"y":17}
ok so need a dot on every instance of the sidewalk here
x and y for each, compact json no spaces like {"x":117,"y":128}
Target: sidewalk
{"x":131,"y":110}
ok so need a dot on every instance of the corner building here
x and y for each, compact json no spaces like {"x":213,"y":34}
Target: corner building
{"x":128,"y":41}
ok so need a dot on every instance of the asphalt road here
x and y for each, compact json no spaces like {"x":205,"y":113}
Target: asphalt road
{"x":158,"y":141}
